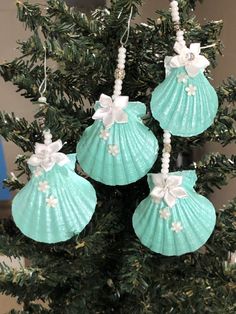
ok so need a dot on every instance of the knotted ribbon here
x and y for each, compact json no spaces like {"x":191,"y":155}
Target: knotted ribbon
{"x":168,"y":189}
{"x":46,"y":156}
{"x":190,"y":58}
{"x":112,"y":111}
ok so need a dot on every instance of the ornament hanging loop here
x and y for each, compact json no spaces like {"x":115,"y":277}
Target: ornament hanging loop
{"x":120,"y":68}
{"x":126,"y":33}
{"x":43,"y":85}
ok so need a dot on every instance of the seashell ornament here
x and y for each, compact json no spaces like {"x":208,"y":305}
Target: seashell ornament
{"x":118,"y":148}
{"x":185,"y":103}
{"x":174,"y":219}
{"x":56,"y":203}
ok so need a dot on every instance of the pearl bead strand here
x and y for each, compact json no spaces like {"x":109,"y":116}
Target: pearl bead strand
{"x":119,"y":72}
{"x":166,"y":153}
{"x":47,"y":137}
{"x":174,"y":8}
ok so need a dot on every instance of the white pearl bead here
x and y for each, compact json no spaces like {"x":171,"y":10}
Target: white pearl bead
{"x":167,"y":141}
{"x":47,"y":136}
{"x":121,"y":57}
{"x":42,"y":99}
{"x":166,"y":162}
{"x":163,"y":171}
{"x":122,"y":50}
{"x":166,"y":169}
{"x":174,"y":10}
{"x":121,"y":60}
{"x":167,"y":136}
{"x":118,"y":82}
{"x":175,"y":19}
{"x":182,"y":42}
{"x":179,"y":33}
{"x":117,"y":90}
{"x":115,"y":94}
{"x":118,"y":87}
{"x":166,"y":155}
{"x":174,"y":3}
{"x":121,"y":66}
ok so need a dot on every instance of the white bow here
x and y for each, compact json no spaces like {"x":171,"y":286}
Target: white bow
{"x":190,"y":58}
{"x":46,"y":156}
{"x":168,"y":189}
{"x":112,"y":111}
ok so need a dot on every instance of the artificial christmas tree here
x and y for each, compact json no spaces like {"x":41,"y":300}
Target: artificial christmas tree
{"x":106,"y":269}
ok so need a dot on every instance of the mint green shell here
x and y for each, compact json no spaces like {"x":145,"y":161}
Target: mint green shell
{"x":76,"y":205}
{"x":195,"y":212}
{"x":179,"y":113}
{"x":137,"y":144}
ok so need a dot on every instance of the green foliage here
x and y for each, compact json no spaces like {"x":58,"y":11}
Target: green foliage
{"x":105,"y":269}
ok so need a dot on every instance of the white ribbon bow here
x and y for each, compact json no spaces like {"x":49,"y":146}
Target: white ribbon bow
{"x":190,"y":58}
{"x":167,"y":189}
{"x":46,"y":156}
{"x":112,"y":111}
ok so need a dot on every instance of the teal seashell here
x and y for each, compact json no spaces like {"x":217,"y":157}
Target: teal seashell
{"x":74,"y":206}
{"x":182,"y":114}
{"x":195,"y":214}
{"x":125,"y":155}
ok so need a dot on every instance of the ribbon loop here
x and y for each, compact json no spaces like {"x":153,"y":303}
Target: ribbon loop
{"x":112,"y":111}
{"x":168,"y":189}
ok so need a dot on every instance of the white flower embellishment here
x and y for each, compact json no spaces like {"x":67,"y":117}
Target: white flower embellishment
{"x":113,"y":150}
{"x":190,"y":58}
{"x":52,"y":201}
{"x":47,"y":155}
{"x":104,"y":134}
{"x":167,"y":189}
{"x":191,"y":90}
{"x":182,"y":78}
{"x":176,"y":226}
{"x":43,"y":186}
{"x":165,"y":213}
{"x":112,"y":111}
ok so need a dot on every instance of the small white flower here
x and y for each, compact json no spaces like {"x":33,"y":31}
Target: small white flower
{"x":191,"y":90}
{"x":38,"y":172}
{"x":113,"y":150}
{"x":52,"y":201}
{"x":182,"y":78}
{"x":165,"y":213}
{"x":104,"y":134}
{"x":43,"y":186}
{"x":177,"y":226}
